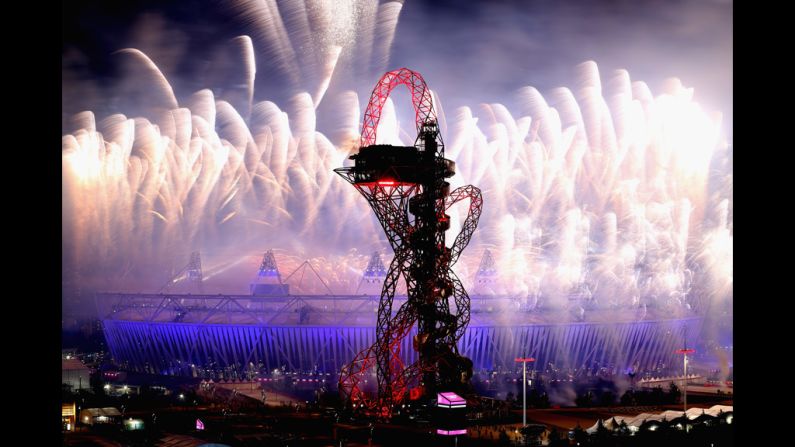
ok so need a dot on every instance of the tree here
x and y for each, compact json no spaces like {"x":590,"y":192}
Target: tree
{"x":584,"y":400}
{"x":607,"y":398}
{"x":580,"y":436}
{"x":504,"y":440}
{"x":657,"y":396}
{"x":673,"y":393}
{"x":543,"y":402}
{"x":623,"y":428}
{"x":629,"y":398}
{"x":602,"y":433}
{"x":532,"y":398}
{"x":555,"y":439}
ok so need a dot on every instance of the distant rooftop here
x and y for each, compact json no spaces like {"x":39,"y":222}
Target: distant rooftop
{"x":72,"y":364}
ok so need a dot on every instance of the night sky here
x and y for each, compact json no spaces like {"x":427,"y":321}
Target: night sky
{"x":469,"y":52}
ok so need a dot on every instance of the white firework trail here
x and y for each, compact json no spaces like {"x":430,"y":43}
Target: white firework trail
{"x":605,"y":191}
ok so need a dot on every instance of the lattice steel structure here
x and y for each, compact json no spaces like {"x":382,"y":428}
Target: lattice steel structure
{"x":192,"y":272}
{"x":268,"y":270}
{"x":407,"y":190}
{"x":373,"y":276}
{"x":375,"y":270}
{"x":486,"y":275}
{"x":268,"y":280}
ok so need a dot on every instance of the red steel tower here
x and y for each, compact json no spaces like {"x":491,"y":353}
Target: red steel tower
{"x":407,"y":189}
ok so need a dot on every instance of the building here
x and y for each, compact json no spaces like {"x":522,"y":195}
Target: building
{"x":93,"y":416}
{"x":68,"y":414}
{"x":185,"y":334}
{"x":75,"y":374}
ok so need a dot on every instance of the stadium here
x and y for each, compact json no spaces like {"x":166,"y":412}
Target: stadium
{"x":233,"y":335}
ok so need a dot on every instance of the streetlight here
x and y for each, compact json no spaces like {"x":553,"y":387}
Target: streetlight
{"x":524,"y":361}
{"x":684,"y":352}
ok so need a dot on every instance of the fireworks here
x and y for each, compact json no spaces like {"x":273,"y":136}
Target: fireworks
{"x":606,"y":190}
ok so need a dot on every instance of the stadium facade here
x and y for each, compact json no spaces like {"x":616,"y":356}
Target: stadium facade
{"x":179,"y":334}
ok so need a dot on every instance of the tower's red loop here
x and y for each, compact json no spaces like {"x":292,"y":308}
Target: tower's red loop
{"x":420,"y":98}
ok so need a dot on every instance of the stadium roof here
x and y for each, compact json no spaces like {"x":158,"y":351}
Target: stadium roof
{"x":333,"y":310}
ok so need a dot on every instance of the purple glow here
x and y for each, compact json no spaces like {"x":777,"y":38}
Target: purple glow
{"x":638,"y":242}
{"x":199,"y":424}
{"x":449,"y":398}
{"x":451,"y":432}
{"x":329,"y":347}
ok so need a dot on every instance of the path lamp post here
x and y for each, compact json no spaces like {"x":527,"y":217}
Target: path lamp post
{"x":524,"y":361}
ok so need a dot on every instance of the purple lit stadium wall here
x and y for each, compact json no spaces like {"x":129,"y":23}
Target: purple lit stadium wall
{"x":171,"y":347}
